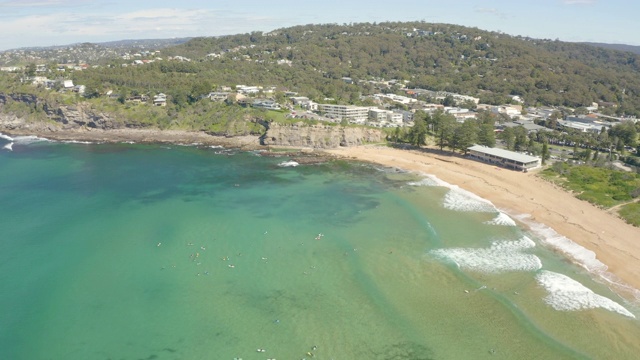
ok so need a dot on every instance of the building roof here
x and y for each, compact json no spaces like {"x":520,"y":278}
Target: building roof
{"x":506,"y":154}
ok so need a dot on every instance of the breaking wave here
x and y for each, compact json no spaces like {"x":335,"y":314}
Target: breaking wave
{"x":290,"y":163}
{"x":502,"y":256}
{"x":26,"y":140}
{"x":461,"y":200}
{"x":501,"y":219}
{"x":566,"y":294}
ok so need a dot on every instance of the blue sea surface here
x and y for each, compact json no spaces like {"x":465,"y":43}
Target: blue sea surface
{"x":122,"y":251}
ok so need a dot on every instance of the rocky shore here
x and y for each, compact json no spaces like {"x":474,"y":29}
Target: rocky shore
{"x":81,"y":122}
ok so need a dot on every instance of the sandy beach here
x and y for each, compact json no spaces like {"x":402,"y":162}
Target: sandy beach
{"x":614,"y":242}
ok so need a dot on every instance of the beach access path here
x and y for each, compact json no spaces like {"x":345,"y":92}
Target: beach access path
{"x":614,"y":242}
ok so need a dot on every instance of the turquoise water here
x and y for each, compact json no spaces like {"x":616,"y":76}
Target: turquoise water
{"x":158,"y":252}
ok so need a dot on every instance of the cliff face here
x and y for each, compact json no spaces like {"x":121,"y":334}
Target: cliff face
{"x":62,"y":117}
{"x":319,"y":136}
{"x":81,"y":117}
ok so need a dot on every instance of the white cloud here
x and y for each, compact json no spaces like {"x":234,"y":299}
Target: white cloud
{"x":578,"y":2}
{"x":71,"y":27}
{"x":42,"y":3}
{"x":492,"y":11}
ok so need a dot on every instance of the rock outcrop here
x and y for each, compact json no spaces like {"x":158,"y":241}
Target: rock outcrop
{"x":60,"y":117}
{"x":319,"y":136}
{"x":60,"y":120}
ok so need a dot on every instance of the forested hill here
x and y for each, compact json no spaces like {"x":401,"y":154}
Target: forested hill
{"x":620,"y":47}
{"x":444,"y":57}
{"x":313,"y":60}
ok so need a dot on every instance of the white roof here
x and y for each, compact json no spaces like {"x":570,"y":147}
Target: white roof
{"x":506,"y":154}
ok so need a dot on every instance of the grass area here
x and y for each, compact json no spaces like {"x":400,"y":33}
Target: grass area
{"x":600,"y":186}
{"x":631,"y":213}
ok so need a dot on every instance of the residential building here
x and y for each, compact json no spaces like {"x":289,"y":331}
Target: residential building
{"x":385,"y":116}
{"x":407,"y":116}
{"x":267,"y":104}
{"x":354,"y":114}
{"x":218,"y":96}
{"x":246,"y":90}
{"x":160,"y":100}
{"x":298,"y":99}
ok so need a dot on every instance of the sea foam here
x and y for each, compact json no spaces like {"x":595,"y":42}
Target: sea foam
{"x":501,"y":219}
{"x":290,"y":163}
{"x":502,"y":256}
{"x":461,"y":200}
{"x":426,"y":181}
{"x":566,"y":294}
{"x":8,"y":146}
{"x":578,"y":254}
{"x":457,"y":199}
{"x":6,"y":137}
{"x":26,"y":140}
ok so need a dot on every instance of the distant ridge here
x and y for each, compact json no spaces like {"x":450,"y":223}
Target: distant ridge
{"x":620,"y":47}
{"x":117,"y":44}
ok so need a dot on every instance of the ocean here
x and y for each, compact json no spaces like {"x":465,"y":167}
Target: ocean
{"x":125,"y":251}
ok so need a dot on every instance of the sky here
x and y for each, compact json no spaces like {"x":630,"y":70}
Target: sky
{"x":29,"y":23}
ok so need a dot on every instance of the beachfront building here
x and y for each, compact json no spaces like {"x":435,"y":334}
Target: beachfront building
{"x":354,"y":114}
{"x":505,"y":158}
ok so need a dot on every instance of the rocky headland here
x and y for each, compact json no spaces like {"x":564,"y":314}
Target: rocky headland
{"x":82,"y":122}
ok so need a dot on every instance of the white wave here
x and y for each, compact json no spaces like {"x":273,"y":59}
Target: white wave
{"x":189,"y":144}
{"x":78,"y":142}
{"x":6,"y":137}
{"x":290,"y":163}
{"x":502,"y":256}
{"x":216,"y":147}
{"x":578,"y":254}
{"x":30,"y":139}
{"x":502,"y":219}
{"x":427,"y":181}
{"x":461,"y":200}
{"x":566,"y":294}
{"x":8,"y":146}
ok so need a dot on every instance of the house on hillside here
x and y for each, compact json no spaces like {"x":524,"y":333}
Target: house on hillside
{"x":137,"y":99}
{"x":218,"y":96}
{"x":160,"y":100}
{"x":267,"y":104}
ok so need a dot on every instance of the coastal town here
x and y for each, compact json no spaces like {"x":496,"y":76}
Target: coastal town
{"x":393,"y":106}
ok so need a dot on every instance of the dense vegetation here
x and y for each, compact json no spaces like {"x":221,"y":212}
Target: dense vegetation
{"x":443,"y":57}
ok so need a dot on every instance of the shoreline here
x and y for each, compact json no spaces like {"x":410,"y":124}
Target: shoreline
{"x":142,"y":136}
{"x":608,"y":249}
{"x":560,"y":218}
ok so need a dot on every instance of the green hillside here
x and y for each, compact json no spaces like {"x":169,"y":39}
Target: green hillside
{"x":312,"y":60}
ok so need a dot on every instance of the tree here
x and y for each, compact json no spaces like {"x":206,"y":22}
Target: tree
{"x":545,"y":153}
{"x":625,"y":132}
{"x":418,"y":132}
{"x":486,"y":135}
{"x":520,"y":138}
{"x":465,"y":135}
{"x":30,"y":70}
{"x":444,"y":130}
{"x":509,"y":138}
{"x":449,"y":101}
